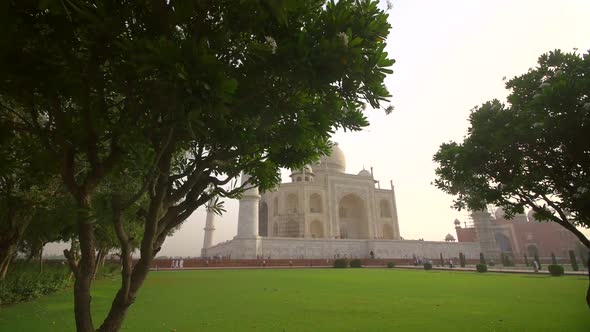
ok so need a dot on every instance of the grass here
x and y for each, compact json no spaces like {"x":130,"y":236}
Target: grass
{"x":327,"y":300}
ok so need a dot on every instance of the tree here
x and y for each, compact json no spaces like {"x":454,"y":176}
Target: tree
{"x":531,"y":152}
{"x":179,"y":98}
{"x":27,"y":185}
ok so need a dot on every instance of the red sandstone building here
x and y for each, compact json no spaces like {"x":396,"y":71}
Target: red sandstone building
{"x":524,"y":235}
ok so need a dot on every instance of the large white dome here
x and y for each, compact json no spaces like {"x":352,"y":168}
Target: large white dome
{"x":335,"y":162}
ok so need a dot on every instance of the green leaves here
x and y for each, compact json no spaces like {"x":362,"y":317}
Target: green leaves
{"x":532,"y":152}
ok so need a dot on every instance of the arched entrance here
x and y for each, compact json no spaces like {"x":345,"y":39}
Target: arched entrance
{"x":263,"y":219}
{"x":315,"y":203}
{"x":316,"y":229}
{"x":275,"y":206}
{"x":291,"y":203}
{"x":503,"y":242}
{"x":353,"y":218}
{"x":532,"y":250}
{"x":292,"y":228}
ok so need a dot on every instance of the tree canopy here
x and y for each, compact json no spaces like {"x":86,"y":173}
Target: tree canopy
{"x":531,"y":152}
{"x":149,"y":109}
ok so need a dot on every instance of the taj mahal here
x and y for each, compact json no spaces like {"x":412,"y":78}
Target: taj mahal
{"x":325,"y":212}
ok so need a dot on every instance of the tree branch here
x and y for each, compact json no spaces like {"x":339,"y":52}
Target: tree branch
{"x":151,"y":174}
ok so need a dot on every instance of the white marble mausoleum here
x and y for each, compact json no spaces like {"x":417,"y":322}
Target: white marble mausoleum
{"x":324,"y":212}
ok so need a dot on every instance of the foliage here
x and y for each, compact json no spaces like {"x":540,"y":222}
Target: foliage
{"x":25,"y":282}
{"x":555,"y":270}
{"x":341,"y":263}
{"x":533,"y":151}
{"x":553,"y":259}
{"x":481,"y":268}
{"x":177,"y":99}
{"x":462,"y":259}
{"x":482,"y":259}
{"x":28,"y":186}
{"x":390,"y":265}
{"x":573,"y":261}
{"x":526,"y":260}
{"x":356,"y":263}
{"x":427,"y":266}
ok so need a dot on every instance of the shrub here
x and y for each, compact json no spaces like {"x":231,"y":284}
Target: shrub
{"x":555,"y":270}
{"x":481,"y":268}
{"x":427,"y":266}
{"x":24,"y":282}
{"x":341,"y":263}
{"x":391,"y":265}
{"x":509,"y":261}
{"x":356,"y":263}
{"x":462,"y":259}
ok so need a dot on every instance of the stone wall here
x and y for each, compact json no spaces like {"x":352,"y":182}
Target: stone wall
{"x":306,"y":248}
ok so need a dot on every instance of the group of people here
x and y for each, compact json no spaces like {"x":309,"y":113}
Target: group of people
{"x":177,"y":264}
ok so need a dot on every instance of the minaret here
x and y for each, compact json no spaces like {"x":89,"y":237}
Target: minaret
{"x":398,"y":235}
{"x":209,"y":228}
{"x":248,"y":212}
{"x":482,"y":221}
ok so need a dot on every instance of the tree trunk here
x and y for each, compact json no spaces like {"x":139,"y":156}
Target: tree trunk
{"x":41,"y":260}
{"x":99,"y":259}
{"x":84,"y":269}
{"x":126,"y":297}
{"x":5,"y":259}
{"x":588,"y":291}
{"x":9,"y":241}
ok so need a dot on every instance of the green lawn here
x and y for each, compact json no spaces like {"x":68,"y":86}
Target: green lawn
{"x":328,"y":300}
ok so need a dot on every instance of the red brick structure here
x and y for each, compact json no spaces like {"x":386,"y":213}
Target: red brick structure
{"x":524,"y":235}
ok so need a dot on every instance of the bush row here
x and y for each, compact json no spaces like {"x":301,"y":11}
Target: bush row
{"x":342,"y":263}
{"x":554,"y":269}
{"x":25,"y":282}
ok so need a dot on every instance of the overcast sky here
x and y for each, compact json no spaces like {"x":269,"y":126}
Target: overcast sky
{"x":450,"y":56}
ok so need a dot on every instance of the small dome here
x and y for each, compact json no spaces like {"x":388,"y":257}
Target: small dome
{"x":366,"y":173}
{"x":449,"y":238}
{"x":457,"y":222}
{"x":297,"y":175}
{"x":335,"y":162}
{"x":307,"y":169}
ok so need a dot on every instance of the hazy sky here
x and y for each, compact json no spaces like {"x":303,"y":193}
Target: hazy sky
{"x":450,"y":56}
